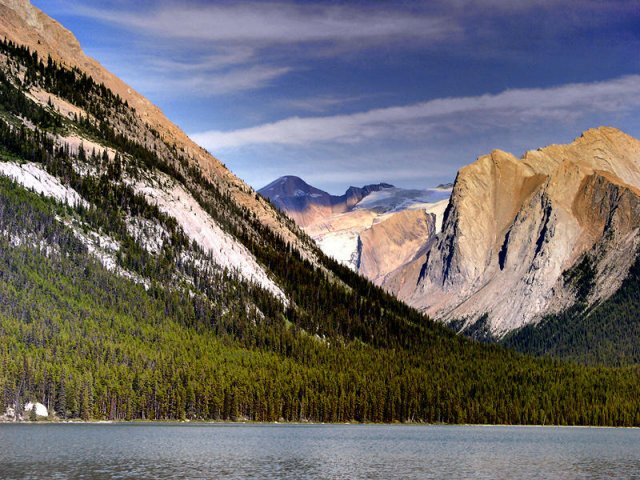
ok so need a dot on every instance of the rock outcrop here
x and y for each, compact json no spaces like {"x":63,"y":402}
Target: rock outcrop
{"x":515,"y":228}
{"x":394,"y":242}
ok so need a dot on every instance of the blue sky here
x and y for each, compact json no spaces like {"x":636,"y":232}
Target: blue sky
{"x":353,"y":92}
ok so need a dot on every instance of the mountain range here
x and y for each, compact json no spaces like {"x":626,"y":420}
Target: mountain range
{"x":141,"y":279}
{"x":522,"y":241}
{"x":518,"y":232}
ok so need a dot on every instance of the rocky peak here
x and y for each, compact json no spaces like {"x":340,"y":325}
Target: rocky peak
{"x":307,"y":204}
{"x":515,"y":225}
{"x":354,"y":194}
{"x":291,"y":186}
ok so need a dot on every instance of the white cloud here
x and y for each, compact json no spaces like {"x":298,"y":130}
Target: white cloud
{"x":221,"y":59}
{"x":509,"y":108}
{"x":267,"y":23}
{"x":322,"y":103}
{"x":218,"y":74}
{"x":232,"y":81}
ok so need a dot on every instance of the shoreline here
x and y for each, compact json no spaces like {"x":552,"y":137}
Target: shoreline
{"x":300,"y":424}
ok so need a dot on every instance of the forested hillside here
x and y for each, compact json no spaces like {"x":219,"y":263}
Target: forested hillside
{"x":110,"y":308}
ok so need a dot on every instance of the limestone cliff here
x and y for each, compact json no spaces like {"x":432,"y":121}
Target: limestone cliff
{"x":514,"y":228}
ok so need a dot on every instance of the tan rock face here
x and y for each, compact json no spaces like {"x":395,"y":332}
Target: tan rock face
{"x":392,"y":243}
{"x":513,"y":227}
{"x":375,"y":244}
{"x":24,"y":24}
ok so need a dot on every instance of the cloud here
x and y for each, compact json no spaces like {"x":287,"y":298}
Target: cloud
{"x":222,"y":58}
{"x":322,"y":103}
{"x":268,"y":23}
{"x":233,"y":81}
{"x":507,"y":109}
{"x":227,"y":71}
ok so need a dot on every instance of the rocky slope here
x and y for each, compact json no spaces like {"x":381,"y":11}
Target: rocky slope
{"x":26,"y":25}
{"x":374,"y":230}
{"x":516,"y":228}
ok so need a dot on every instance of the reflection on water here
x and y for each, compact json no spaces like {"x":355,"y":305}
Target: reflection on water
{"x":315,"y":451}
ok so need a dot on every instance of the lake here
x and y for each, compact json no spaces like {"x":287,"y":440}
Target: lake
{"x":237,"y":451}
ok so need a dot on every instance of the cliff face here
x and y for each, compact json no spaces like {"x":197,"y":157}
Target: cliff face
{"x":515,"y":228}
{"x":393,"y":242}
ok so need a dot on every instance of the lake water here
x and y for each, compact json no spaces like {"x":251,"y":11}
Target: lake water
{"x":315,"y":451}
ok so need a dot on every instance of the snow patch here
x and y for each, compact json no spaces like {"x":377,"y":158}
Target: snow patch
{"x":341,"y":246}
{"x":34,"y":177}
{"x":399,"y":199}
{"x":438,"y":210}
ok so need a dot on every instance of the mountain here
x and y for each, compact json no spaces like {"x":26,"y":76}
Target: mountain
{"x":374,"y":230}
{"x":140,"y":279}
{"x":307,"y":204}
{"x":526,"y":238}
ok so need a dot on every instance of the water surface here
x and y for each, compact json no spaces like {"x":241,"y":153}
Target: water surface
{"x":232,"y":451}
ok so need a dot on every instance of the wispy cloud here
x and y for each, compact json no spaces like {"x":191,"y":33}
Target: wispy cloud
{"x":278,"y":22}
{"x":233,"y":81}
{"x":220,"y":59}
{"x":509,"y":108}
{"x":226,"y":71}
{"x":268,"y":39}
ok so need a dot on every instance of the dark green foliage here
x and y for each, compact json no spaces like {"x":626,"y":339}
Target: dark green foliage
{"x":582,"y":278}
{"x":94,"y":345}
{"x":16,"y":103}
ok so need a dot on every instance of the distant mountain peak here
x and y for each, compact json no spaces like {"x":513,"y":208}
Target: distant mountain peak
{"x":306,"y":203}
{"x":290,"y":186}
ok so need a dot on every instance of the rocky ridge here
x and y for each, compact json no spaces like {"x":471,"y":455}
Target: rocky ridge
{"x":307,"y":205}
{"x":515,"y":229}
{"x":26,"y":25}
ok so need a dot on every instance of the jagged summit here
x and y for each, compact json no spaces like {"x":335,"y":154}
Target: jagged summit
{"x":517,"y":225}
